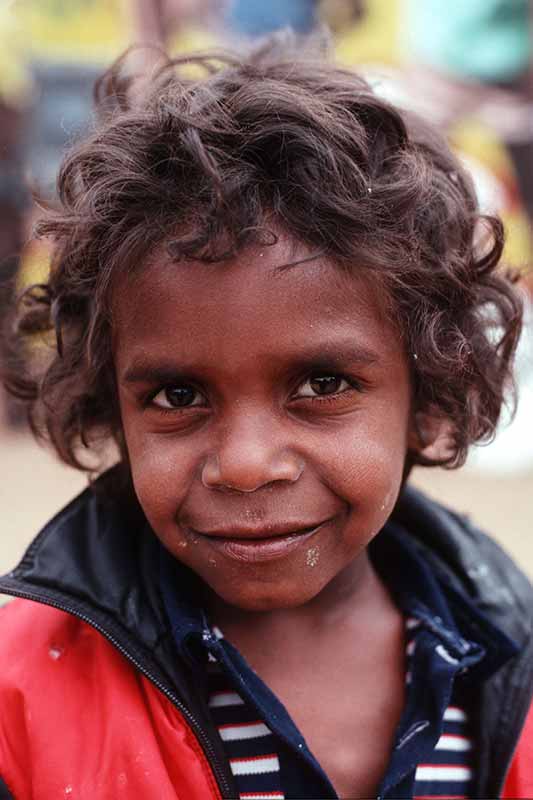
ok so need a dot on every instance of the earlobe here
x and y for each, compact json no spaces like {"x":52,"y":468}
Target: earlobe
{"x":431,"y":437}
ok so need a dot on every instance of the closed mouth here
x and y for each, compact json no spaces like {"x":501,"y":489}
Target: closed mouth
{"x":260,"y":545}
{"x":266,"y":533}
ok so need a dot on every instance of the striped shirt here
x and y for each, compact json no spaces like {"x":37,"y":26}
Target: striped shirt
{"x":434,"y":752}
{"x":252,"y":747}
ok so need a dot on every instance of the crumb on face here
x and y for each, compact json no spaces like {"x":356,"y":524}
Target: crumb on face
{"x":312,"y":556}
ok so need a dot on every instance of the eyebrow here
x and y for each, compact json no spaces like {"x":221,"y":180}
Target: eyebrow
{"x":327,"y":356}
{"x":336,"y":355}
{"x":148,"y":372}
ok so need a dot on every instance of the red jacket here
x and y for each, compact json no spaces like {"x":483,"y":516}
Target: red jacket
{"x":154,"y":755}
{"x":58,"y":676}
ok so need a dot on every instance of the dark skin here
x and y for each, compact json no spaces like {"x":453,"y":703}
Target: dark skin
{"x":267,"y":416}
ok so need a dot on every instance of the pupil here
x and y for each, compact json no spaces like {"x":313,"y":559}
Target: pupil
{"x":180,"y":395}
{"x":327,"y":384}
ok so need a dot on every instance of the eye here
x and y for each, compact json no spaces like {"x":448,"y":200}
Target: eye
{"x":321,"y":385}
{"x":179,"y":396}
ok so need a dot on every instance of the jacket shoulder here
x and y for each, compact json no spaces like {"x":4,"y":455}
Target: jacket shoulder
{"x":471,"y":560}
{"x":30,"y":629}
{"x":76,"y":717}
{"x":47,"y":671}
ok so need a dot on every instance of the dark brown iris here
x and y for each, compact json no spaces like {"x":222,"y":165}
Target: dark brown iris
{"x":325,"y":384}
{"x":179,"y":396}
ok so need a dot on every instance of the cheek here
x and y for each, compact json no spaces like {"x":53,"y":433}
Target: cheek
{"x":162,"y":475}
{"x":367,"y":472}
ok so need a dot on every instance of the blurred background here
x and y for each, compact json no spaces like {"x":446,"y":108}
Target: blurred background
{"x":468,"y":66}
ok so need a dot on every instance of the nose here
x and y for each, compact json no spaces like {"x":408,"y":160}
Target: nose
{"x":249,"y":456}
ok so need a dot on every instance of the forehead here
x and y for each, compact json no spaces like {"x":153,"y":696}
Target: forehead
{"x":264,"y":301}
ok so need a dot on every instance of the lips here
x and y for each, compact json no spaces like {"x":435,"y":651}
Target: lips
{"x":258,"y":544}
{"x":265,"y":532}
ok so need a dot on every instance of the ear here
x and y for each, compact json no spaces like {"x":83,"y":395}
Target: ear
{"x":431,"y":436}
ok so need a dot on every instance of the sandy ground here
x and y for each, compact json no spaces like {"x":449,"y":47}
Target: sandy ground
{"x":34,"y":485}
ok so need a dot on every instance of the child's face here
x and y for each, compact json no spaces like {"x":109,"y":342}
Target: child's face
{"x":267,"y":418}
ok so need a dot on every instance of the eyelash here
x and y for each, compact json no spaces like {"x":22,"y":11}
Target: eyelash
{"x":149,"y":401}
{"x":354,"y":384}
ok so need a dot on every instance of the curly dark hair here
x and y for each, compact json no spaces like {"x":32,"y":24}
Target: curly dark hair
{"x":202,"y":156}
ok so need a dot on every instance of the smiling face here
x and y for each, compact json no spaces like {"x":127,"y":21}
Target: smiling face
{"x":266,"y":415}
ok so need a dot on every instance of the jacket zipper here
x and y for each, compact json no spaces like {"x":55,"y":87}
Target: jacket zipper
{"x":199,"y":732}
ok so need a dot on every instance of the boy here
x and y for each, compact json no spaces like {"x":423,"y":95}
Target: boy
{"x":271,"y":289}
